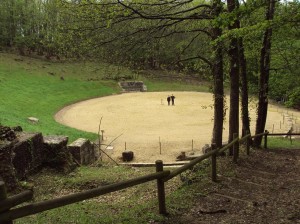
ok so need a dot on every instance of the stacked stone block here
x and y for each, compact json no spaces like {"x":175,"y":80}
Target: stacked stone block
{"x":83,"y":151}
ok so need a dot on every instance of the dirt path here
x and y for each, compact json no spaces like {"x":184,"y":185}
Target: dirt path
{"x":142,"y":120}
{"x":265,"y":188}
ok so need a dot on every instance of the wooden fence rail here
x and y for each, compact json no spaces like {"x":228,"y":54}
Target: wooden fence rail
{"x":283,"y":134}
{"x":6,"y":215}
{"x":189,"y":165}
{"x":15,"y":200}
{"x":289,"y":135}
{"x":73,"y":198}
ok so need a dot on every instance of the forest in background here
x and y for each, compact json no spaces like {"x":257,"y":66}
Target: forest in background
{"x":250,"y":46}
{"x":62,"y":29}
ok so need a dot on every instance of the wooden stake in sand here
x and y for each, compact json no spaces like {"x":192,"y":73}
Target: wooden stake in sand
{"x":102,"y":131}
{"x":192,"y":144}
{"x":99,"y":139}
{"x":159,"y":145}
{"x":280,"y":125}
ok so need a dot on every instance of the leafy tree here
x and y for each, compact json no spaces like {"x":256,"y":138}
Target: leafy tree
{"x":29,"y":26}
{"x":147,"y":31}
{"x":217,"y":71}
{"x":294,"y":98}
{"x":8,"y":22}
{"x":284,"y":76}
{"x":265,"y":58}
{"x":233,"y":53}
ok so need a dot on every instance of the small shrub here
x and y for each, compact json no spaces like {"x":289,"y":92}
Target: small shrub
{"x":294,"y":98}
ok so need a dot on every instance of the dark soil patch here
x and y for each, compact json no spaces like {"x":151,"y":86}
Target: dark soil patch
{"x":265,"y":188}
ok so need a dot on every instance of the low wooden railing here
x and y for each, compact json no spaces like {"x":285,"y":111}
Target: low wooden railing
{"x":7,"y":214}
{"x":287,"y":135}
{"x":66,"y":200}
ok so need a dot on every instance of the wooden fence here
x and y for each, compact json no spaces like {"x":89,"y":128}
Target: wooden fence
{"x":7,"y":214}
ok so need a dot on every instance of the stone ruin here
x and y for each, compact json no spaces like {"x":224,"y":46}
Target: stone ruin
{"x":22,"y":154}
{"x":83,"y":151}
{"x":133,"y":86}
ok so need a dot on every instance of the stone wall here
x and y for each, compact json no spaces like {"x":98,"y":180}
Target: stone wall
{"x":130,"y":86}
{"x":20,"y":157}
{"x":56,"y":153}
{"x":22,"y":154}
{"x":83,"y":151}
{"x":7,"y":170}
{"x":28,"y":156}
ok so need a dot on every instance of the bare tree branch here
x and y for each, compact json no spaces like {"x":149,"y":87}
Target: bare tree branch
{"x":197,"y":57}
{"x":170,"y":16}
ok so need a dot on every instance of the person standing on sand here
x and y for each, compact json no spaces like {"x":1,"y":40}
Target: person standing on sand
{"x":168,"y":99}
{"x":173,"y":99}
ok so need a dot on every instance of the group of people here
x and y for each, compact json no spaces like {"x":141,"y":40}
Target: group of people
{"x":171,"y":99}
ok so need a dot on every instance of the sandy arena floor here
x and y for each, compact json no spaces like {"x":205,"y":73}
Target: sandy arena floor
{"x":144,"y":121}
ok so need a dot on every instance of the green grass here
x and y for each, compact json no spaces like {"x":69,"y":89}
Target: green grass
{"x":93,"y":212}
{"x":28,"y":90}
{"x":279,"y":143}
{"x":132,"y":205}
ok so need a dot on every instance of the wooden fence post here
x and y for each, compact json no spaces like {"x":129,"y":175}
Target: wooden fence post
{"x":213,"y":164}
{"x":235,"y":149}
{"x":248,"y":143}
{"x":3,"y":196}
{"x":161,"y":189}
{"x":266,"y":139}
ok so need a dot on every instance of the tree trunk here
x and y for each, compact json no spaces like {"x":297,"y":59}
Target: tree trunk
{"x":218,"y":95}
{"x":243,"y":85}
{"x":233,"y":54}
{"x":265,"y":58}
{"x":12,"y":25}
{"x":244,"y":89}
{"x":218,"y":82}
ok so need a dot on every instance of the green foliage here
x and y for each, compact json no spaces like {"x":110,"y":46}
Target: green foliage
{"x":174,"y":86}
{"x":284,"y":77}
{"x":29,"y":26}
{"x":90,"y":29}
{"x":112,"y":32}
{"x":294,"y":98}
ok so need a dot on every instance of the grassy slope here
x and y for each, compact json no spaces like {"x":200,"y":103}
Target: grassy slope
{"x":28,"y":89}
